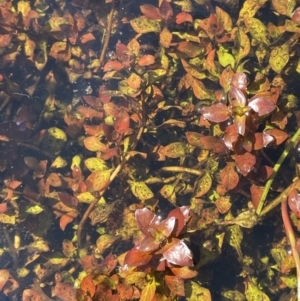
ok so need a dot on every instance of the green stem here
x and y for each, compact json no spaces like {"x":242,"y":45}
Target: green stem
{"x":275,"y":170}
{"x":291,"y":237}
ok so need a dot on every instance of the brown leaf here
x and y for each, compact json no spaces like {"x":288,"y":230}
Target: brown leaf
{"x":146,"y":60}
{"x":65,"y":291}
{"x":245,"y":163}
{"x":184,"y":17}
{"x":229,"y":176}
{"x":175,"y":285}
{"x":113,"y":66}
{"x":150,"y":11}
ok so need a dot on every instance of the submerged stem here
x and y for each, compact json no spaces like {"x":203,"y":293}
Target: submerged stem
{"x":275,"y":170}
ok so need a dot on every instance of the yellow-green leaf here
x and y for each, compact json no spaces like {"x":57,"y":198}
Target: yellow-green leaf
{"x":144,"y":25}
{"x":59,"y":162}
{"x":194,"y":291}
{"x":141,"y":190}
{"x":7,"y":219}
{"x":225,"y":58}
{"x":279,"y":57}
{"x":289,"y":281}
{"x":257,"y":30}
{"x":85,"y":197}
{"x":35,"y":209}
{"x":253,"y":293}
{"x":95,"y":164}
{"x":243,"y":45}
{"x":148,"y":291}
{"x":202,"y":185}
{"x":284,"y":7}
{"x":98,"y":180}
{"x":93,"y":144}
{"x":250,"y":8}
{"x":175,"y":150}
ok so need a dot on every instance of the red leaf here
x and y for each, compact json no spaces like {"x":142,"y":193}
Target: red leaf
{"x":279,"y":135}
{"x":236,"y":97}
{"x":215,"y":113}
{"x":181,"y":214}
{"x":261,"y":105}
{"x":231,"y":136}
{"x":68,"y":199}
{"x":258,"y":141}
{"x":256,"y":192}
{"x":296,"y":16}
{"x":179,"y":254}
{"x":267,"y":139}
{"x":240,"y":124}
{"x":150,"y":11}
{"x":166,"y":226}
{"x":245,"y":163}
{"x":229,"y":177}
{"x":166,"y":10}
{"x":135,"y":257}
{"x":239,"y":81}
{"x":149,"y":244}
{"x":144,"y":217}
{"x":294,"y":202}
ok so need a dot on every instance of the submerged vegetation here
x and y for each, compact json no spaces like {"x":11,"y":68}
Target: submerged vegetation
{"x":146,"y":149}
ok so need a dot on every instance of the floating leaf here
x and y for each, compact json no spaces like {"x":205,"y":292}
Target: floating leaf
{"x":261,"y":105}
{"x":216,"y":113}
{"x":141,"y":190}
{"x":179,"y":254}
{"x":278,"y":135}
{"x":245,"y":163}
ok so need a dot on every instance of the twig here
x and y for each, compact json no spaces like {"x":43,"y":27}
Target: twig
{"x":108,"y":32}
{"x":11,"y":247}
{"x":112,"y":177}
{"x":192,"y":171}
